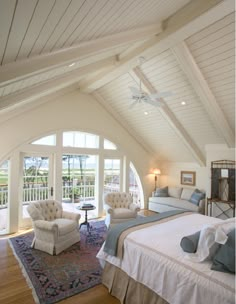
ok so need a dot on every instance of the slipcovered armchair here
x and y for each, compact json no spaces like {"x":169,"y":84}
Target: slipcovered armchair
{"x":54,"y":229}
{"x":119,"y":208}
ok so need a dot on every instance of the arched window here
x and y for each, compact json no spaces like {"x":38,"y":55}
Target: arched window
{"x":47,"y":141}
{"x":80,"y":140}
{"x":135,"y":187}
{"x":79,"y":168}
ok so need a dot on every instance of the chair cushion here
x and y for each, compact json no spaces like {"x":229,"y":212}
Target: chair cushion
{"x":34,"y":213}
{"x":161,"y":192}
{"x":65,"y":226}
{"x":175,"y":191}
{"x":51,"y":210}
{"x":174,"y":203}
{"x":196,"y":197}
{"x":123,"y":213}
{"x":186,"y":194}
{"x":118,"y":199}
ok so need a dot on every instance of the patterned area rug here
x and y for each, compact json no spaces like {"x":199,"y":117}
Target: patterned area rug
{"x":53,"y":278}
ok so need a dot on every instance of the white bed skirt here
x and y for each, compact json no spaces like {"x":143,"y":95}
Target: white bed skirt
{"x":127,"y":290}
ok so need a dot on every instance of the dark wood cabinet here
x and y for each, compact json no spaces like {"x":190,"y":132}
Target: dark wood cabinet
{"x":222,"y":187}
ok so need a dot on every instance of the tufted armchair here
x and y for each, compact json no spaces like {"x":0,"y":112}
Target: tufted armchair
{"x":119,"y":208}
{"x":54,"y":229}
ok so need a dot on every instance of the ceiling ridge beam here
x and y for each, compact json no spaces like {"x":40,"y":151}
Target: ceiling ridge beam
{"x":172,"y":120}
{"x":124,"y":124}
{"x":50,"y":86}
{"x":195,"y":16}
{"x":44,"y":62}
{"x":200,"y":85}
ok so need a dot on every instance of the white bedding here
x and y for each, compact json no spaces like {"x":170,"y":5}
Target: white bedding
{"x":153,"y":257}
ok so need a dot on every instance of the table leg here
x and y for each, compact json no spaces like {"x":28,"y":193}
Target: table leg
{"x":86,"y":221}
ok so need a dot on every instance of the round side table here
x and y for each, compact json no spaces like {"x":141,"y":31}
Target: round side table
{"x":86,"y":208}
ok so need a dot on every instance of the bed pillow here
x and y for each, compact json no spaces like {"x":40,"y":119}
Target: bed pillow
{"x":189,"y":243}
{"x":196,"y":197}
{"x":211,"y":237}
{"x":224,"y":259}
{"x":161,"y":192}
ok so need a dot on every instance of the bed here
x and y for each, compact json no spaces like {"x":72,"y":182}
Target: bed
{"x":153,"y":268}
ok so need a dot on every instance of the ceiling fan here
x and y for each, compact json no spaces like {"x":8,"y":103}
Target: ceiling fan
{"x":139,"y":96}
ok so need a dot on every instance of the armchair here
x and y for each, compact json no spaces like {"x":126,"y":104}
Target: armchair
{"x":119,"y":208}
{"x":54,"y":229}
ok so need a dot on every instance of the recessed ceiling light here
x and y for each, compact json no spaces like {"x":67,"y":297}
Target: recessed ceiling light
{"x":183,"y":103}
{"x":71,"y":65}
{"x":145,"y":113}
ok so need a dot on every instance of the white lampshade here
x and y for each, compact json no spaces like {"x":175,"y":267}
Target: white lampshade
{"x":157,"y":171}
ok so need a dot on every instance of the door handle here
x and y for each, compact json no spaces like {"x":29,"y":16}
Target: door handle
{"x":51,"y":191}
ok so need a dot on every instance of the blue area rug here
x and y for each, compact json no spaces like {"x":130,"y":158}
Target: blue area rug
{"x":54,"y":278}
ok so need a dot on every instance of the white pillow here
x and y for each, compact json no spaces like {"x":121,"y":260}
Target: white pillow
{"x":210,"y":238}
{"x":186,"y":194}
{"x":175,"y":191}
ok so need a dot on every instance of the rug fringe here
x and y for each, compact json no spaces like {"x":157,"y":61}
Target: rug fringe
{"x":36,"y":299}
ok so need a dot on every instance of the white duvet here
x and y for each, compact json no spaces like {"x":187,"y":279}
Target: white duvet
{"x":153,"y":257}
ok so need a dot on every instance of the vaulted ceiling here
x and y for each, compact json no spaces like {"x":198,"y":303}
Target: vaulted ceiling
{"x":188,"y":48}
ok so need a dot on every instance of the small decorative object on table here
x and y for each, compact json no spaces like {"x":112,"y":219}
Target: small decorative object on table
{"x":86,"y":207}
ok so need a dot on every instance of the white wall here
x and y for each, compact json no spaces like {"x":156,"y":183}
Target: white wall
{"x":170,"y":174}
{"x":171,"y":171}
{"x":74,"y":111}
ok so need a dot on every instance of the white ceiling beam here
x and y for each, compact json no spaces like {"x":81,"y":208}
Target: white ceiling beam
{"x":197,"y":80}
{"x":65,"y":56}
{"x":194,"y":17}
{"x":50,"y":86}
{"x":171,"y":119}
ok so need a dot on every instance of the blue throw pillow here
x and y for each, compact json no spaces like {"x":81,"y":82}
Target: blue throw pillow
{"x":196,"y":197}
{"x":161,"y":192}
{"x":224,"y":259}
{"x":189,"y":243}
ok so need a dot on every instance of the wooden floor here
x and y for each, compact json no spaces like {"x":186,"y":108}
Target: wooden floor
{"x":14,"y":288}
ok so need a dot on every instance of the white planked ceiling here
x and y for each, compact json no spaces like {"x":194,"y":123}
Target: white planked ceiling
{"x":103,"y":39}
{"x":214,"y":52}
{"x":152,"y":130}
{"x":33,"y":27}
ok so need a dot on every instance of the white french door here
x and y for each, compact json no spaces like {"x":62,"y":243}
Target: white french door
{"x":36,"y":182}
{"x":112,"y":175}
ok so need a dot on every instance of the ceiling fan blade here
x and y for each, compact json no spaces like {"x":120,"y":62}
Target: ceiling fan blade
{"x":161,"y":94}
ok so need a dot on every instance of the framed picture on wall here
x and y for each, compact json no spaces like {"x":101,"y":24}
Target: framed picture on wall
{"x":188,"y":178}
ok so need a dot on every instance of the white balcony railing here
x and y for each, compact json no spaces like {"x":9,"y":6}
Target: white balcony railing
{"x":39,"y":192}
{"x":3,"y":196}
